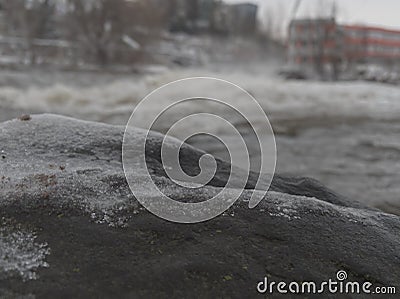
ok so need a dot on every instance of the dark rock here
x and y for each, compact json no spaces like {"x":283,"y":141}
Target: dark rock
{"x":62,"y":181}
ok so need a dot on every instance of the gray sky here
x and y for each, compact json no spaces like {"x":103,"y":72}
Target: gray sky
{"x":385,"y":13}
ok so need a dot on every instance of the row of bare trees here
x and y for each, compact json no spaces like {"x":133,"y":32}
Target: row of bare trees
{"x":96,"y":27}
{"x":102,"y":31}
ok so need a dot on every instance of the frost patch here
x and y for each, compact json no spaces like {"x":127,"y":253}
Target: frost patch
{"x":20,"y":254}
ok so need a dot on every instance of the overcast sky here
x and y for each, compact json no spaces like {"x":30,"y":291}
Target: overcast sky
{"x":384,"y":13}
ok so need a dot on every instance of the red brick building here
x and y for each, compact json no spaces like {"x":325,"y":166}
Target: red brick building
{"x":323,"y":46}
{"x":371,"y":44}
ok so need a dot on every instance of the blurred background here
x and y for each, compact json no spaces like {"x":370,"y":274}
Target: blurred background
{"x":327,"y":73}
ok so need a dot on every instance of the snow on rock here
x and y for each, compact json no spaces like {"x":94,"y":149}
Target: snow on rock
{"x":20,"y":254}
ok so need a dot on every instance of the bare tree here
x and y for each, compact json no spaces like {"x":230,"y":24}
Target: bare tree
{"x":274,"y":22}
{"x":96,"y":25}
{"x":99,"y":26}
{"x":327,"y":32}
{"x":30,"y":20}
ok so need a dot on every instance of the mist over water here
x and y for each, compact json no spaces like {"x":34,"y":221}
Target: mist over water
{"x":343,"y":134}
